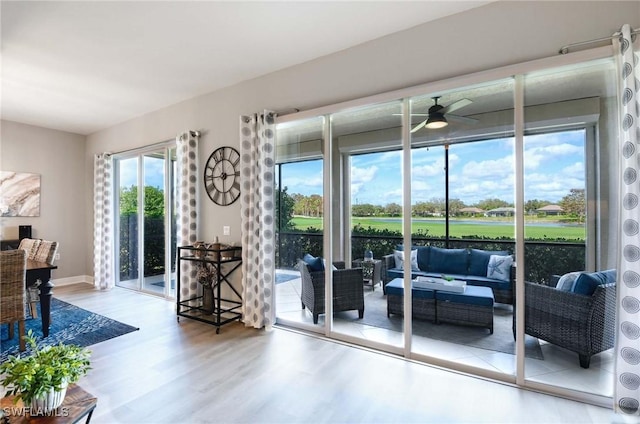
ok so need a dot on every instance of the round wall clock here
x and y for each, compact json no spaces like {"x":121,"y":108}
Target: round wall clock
{"x":222,"y":176}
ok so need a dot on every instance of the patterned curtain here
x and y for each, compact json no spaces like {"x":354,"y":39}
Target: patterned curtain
{"x":257,"y":150}
{"x":187,"y":205}
{"x":103,"y":266}
{"x":627,"y":368}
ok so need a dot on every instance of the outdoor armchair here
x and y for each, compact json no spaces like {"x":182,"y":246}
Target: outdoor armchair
{"x":348,"y":292}
{"x":584,"y":324}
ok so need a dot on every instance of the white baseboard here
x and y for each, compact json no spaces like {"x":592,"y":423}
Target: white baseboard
{"x":72,"y":280}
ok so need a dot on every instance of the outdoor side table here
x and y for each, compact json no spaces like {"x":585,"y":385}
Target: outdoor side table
{"x":371,"y":271}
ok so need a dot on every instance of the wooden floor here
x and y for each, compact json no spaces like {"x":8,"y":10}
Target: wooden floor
{"x":182,"y":372}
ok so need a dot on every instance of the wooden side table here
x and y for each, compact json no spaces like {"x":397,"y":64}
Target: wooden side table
{"x":371,"y":271}
{"x":77,"y":404}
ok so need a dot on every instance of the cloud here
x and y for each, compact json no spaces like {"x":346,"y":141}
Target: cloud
{"x":489,"y":168}
{"x":363,"y":175}
{"x":576,"y":170}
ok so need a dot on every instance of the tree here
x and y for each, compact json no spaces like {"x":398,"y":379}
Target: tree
{"x":574,"y":203}
{"x":153,"y":201}
{"x":393,"y":209}
{"x":454,"y":206}
{"x":488,"y":204}
{"x":284,"y":210}
{"x":531,"y":206}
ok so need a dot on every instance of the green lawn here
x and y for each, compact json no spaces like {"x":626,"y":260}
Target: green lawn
{"x":543,"y":229}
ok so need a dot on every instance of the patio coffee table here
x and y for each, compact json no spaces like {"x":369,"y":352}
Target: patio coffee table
{"x":472,"y":307}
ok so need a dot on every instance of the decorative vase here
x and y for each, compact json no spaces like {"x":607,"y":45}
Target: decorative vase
{"x":48,"y":401}
{"x":368,"y":255}
{"x":207,"y":299}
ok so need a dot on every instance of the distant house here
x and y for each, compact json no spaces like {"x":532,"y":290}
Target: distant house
{"x":550,"y":210}
{"x":471,"y":211}
{"x":501,"y":212}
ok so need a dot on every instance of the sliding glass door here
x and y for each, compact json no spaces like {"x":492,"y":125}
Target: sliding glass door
{"x":463,"y":213}
{"x":146,"y":229}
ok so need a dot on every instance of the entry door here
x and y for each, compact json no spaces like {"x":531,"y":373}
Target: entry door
{"x":146,"y":230}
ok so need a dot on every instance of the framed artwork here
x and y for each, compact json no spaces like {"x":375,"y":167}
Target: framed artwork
{"x":19,"y":194}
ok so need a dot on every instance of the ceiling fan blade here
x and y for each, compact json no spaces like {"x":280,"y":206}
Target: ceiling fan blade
{"x":419,"y":126}
{"x":456,"y":105}
{"x":462,"y":119}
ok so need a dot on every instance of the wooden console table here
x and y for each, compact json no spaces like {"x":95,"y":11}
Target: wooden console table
{"x":77,"y":404}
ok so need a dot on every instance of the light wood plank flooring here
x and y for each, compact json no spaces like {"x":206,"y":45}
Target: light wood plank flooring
{"x":182,"y":372}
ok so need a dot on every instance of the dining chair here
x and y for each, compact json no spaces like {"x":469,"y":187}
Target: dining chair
{"x":40,"y":251}
{"x":46,"y":251}
{"x":30,"y":246}
{"x":12,"y":291}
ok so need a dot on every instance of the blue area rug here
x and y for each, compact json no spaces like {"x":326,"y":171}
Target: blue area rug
{"x":283,"y":278}
{"x":69,"y":324}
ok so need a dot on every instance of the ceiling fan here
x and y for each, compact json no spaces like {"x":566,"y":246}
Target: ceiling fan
{"x":436,"y":116}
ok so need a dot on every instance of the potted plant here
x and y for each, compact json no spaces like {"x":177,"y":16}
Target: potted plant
{"x":41,"y":378}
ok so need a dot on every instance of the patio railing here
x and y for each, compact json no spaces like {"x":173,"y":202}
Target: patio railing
{"x":542,"y":258}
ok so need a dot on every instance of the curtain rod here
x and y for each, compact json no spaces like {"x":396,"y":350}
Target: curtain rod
{"x":617,"y":34}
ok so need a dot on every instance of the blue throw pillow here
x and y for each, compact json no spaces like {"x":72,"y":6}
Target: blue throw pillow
{"x":315,"y":264}
{"x":588,"y":282}
{"x":567,"y":281}
{"x":423,"y":258}
{"x":448,"y":261}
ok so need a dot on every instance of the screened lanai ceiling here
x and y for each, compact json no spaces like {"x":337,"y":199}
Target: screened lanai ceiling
{"x":492,"y":106}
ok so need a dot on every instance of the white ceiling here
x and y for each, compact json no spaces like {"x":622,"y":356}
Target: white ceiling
{"x":85,"y":66}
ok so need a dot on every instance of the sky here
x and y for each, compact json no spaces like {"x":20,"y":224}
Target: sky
{"x":554,"y":164}
{"x":154,"y":172}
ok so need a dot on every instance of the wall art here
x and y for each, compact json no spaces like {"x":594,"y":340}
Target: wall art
{"x":19,"y":194}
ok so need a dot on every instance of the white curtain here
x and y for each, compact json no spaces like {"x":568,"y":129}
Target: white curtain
{"x":627,"y":368}
{"x":103,"y":266}
{"x":187,"y":206}
{"x":257,"y":151}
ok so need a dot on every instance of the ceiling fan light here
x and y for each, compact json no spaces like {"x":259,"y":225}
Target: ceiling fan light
{"x":435,"y":121}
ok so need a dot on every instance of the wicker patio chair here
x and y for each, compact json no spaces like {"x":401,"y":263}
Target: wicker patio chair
{"x":12,"y":291}
{"x":348,"y":292}
{"x":579,"y":323}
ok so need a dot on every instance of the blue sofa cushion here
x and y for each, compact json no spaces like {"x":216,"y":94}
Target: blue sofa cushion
{"x":479,"y":260}
{"x":482,"y":296}
{"x":315,"y":264}
{"x":587,"y":282}
{"x":448,"y":261}
{"x":423,"y":258}
{"x":476,"y":280}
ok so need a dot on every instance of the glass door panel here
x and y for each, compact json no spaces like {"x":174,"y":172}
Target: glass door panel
{"x":145,"y":233}
{"x":462,"y":195}
{"x":570,"y":144}
{"x":127,"y":207}
{"x":299,"y":224}
{"x":153,"y":248}
{"x":367,"y":220}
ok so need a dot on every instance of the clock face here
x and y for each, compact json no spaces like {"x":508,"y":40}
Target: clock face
{"x":222,"y":176}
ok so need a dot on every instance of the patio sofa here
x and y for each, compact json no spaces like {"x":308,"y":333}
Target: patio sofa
{"x":488,"y":268}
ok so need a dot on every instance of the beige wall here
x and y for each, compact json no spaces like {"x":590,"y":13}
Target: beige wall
{"x":59,"y":158}
{"x":495,"y":35}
